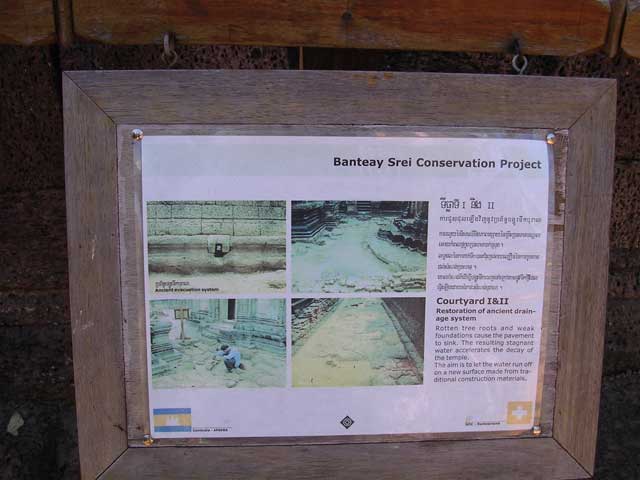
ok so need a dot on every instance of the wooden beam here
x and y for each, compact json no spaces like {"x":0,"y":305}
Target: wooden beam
{"x":94,"y":280}
{"x":64,"y":22}
{"x":496,"y":459}
{"x":631,"y":33}
{"x":616,"y":23}
{"x":27,"y":22}
{"x":344,"y":98}
{"x":584,"y":279}
{"x":550,"y":27}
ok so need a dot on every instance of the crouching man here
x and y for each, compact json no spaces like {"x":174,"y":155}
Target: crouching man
{"x":231,"y":357}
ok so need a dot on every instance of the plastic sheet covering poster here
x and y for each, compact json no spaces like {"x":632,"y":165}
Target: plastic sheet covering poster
{"x":318,"y":285}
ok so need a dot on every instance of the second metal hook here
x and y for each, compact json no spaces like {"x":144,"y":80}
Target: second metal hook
{"x":522,"y":67}
{"x":169,"y":55}
{"x":519,"y":62}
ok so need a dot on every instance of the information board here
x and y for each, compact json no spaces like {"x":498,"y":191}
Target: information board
{"x":319,"y":285}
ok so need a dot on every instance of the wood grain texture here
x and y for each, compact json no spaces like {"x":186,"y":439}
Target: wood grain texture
{"x":64,"y":22}
{"x":496,"y":459}
{"x":132,"y":280}
{"x":27,"y":22}
{"x":584,"y":279}
{"x":631,"y":33}
{"x":616,"y":24}
{"x":551,"y":27}
{"x":548,"y":366}
{"x":94,"y":286}
{"x":401,"y":438}
{"x":339,"y":98}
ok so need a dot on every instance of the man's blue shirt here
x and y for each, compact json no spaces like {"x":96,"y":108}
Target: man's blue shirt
{"x":233,"y":354}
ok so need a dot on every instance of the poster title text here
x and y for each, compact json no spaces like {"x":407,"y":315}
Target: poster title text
{"x":436,"y":163}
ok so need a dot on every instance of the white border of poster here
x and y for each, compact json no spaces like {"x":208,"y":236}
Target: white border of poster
{"x":485,"y":269}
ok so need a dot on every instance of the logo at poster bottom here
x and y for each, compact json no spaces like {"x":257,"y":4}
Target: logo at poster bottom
{"x":519,"y":413}
{"x":172,"y":419}
{"x":347,"y":421}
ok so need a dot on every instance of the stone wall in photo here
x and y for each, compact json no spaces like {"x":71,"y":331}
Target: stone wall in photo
{"x":236,"y":218}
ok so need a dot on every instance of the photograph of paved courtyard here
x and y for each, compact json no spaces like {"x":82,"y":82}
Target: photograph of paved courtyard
{"x":188,"y":340}
{"x":359,"y":246}
{"x":217,"y":246}
{"x":353,"y":342}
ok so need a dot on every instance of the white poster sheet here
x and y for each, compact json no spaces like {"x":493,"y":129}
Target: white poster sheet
{"x":318,"y":285}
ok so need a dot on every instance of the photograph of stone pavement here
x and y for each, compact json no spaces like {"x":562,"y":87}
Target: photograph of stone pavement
{"x":357,"y":342}
{"x":364,"y":246}
{"x":187,"y":336}
{"x":216,"y":247}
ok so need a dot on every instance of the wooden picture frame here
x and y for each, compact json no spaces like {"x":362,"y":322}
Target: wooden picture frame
{"x":100,"y":110}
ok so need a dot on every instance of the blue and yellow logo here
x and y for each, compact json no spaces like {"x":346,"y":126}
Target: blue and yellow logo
{"x":172,"y":419}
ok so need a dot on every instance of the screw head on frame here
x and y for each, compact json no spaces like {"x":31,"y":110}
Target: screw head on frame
{"x":137,"y":134}
{"x":551,"y":138}
{"x":536,"y":431}
{"x":147,"y":441}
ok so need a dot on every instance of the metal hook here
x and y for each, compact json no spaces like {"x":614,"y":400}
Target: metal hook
{"x":516,"y":56}
{"x":514,"y":63}
{"x":169,"y":55}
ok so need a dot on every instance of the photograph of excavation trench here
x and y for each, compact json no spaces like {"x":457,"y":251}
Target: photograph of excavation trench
{"x":217,"y":247}
{"x":359,"y":246}
{"x":352,"y":342}
{"x":186,"y":336}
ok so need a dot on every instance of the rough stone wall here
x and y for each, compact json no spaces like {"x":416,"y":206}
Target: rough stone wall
{"x":238,"y":218}
{"x":36,"y":371}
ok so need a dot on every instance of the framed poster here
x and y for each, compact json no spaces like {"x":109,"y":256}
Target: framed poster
{"x":316,"y":272}
{"x":309,"y":281}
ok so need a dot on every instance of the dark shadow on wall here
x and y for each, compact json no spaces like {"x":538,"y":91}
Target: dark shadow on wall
{"x":410,"y":314}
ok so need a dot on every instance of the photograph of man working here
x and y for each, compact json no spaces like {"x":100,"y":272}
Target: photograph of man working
{"x":218,"y":343}
{"x":231,"y":357}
